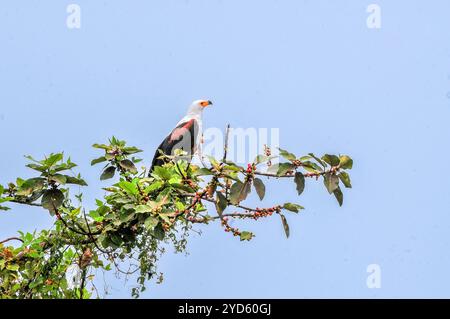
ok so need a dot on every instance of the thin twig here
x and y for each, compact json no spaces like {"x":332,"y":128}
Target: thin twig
{"x":11,"y":238}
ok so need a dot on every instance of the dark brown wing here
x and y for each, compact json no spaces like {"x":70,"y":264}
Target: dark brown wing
{"x":182,"y":137}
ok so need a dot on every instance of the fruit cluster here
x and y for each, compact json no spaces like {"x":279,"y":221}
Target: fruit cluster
{"x":316,"y":175}
{"x":251,"y":168}
{"x":228,"y":228}
{"x":297,"y":163}
{"x":264,"y":212}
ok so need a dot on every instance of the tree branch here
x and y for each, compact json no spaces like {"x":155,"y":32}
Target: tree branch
{"x":11,"y":238}
{"x":293,"y":175}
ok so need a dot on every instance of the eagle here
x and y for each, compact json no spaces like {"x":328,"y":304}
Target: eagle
{"x":185,"y":136}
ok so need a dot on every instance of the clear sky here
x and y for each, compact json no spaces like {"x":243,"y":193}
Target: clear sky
{"x":313,"y":69}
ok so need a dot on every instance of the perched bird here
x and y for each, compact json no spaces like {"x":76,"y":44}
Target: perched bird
{"x":185,"y":136}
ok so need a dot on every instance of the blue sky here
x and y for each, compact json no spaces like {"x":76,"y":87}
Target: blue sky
{"x":311,"y":68}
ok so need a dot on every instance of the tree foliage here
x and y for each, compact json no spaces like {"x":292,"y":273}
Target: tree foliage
{"x":129,"y":229}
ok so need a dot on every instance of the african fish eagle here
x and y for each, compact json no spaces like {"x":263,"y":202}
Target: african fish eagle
{"x":185,"y":136}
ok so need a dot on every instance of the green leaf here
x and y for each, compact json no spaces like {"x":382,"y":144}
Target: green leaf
{"x":29,"y":157}
{"x":116,"y":240}
{"x":311,"y":167}
{"x":98,"y":160}
{"x":101,"y":146}
{"x":58,"y":178}
{"x":116,"y":142}
{"x":239,"y":192}
{"x":287,"y":155}
{"x":331,"y":182}
{"x":306,"y":157}
{"x":108,"y":173}
{"x":299,"y":180}
{"x":162,"y":173}
{"x":214,"y":162}
{"x":128,"y":166}
{"x":345,"y":162}
{"x":231,"y":163}
{"x":221,"y":203}
{"x":63,"y":166}
{"x":246,"y":235}
{"x":52,"y":199}
{"x":19,"y":182}
{"x":261,"y":159}
{"x":292,"y":207}
{"x":142,"y":209}
{"x":283,"y":168}
{"x":151,"y":222}
{"x":13,"y":267}
{"x":345,"y":179}
{"x":285,"y":225}
{"x":96,"y":216}
{"x":259,"y":187}
{"x":75,"y":180}
{"x":52,"y":159}
{"x":332,"y":160}
{"x":317,"y":159}
{"x":180,"y":206}
{"x":6,"y":199}
{"x":339,"y":196}
{"x":231,"y":168}
{"x":203,"y":172}
{"x":130,"y":150}
{"x":109,"y":156}
{"x":37,"y":167}
{"x":129,"y":187}
{"x":31,"y":185}
{"x":153,"y":187}
{"x":235,"y":191}
{"x":158,"y":232}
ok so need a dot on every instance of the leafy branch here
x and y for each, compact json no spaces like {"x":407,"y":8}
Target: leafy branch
{"x":140,"y":215}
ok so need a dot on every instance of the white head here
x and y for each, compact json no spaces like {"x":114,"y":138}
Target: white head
{"x":198,"y":106}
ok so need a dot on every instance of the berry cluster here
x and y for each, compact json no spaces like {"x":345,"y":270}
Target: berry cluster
{"x":316,"y":175}
{"x":194,"y":219}
{"x":229,"y":229}
{"x":251,"y":168}
{"x":297,"y":163}
{"x":268,"y":153}
{"x":264,"y":212}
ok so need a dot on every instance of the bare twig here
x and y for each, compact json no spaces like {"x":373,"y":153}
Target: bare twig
{"x":11,"y":238}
